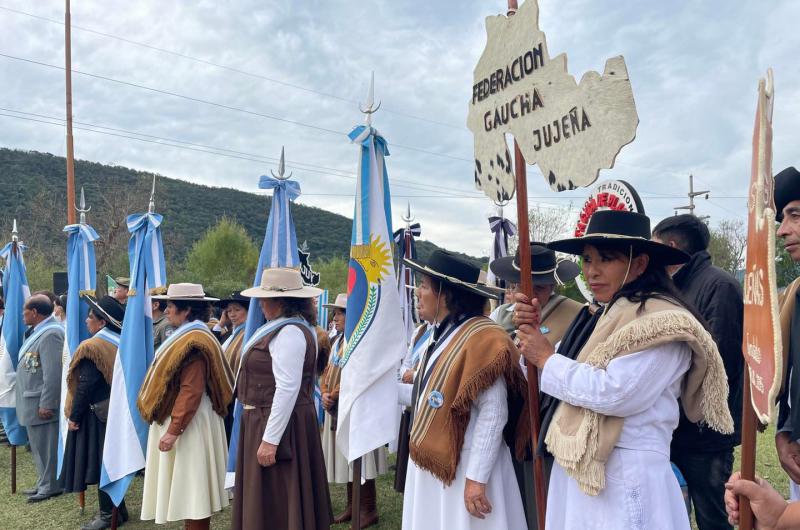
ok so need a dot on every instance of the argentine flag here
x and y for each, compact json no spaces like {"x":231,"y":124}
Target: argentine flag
{"x":278,"y":250}
{"x":81,"y":279}
{"x":126,"y":432}
{"x":374,"y":330}
{"x":15,"y":293}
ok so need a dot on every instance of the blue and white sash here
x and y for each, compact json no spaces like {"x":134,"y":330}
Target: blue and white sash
{"x":182,"y":330}
{"x":268,"y":328}
{"x":235,"y":333}
{"x":38,"y":333}
{"x":421,"y":345}
{"x":108,"y":336}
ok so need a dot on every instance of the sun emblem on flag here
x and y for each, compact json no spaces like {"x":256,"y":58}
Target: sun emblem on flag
{"x":377,"y":260}
{"x":369,"y":265}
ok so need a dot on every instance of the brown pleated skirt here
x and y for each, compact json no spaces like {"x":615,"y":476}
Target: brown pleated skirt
{"x":293,"y":493}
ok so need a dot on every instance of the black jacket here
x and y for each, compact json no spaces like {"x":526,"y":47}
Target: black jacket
{"x":717,"y":296}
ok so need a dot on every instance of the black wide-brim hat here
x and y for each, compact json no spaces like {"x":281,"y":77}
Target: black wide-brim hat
{"x":109,"y":309}
{"x":546,"y":269}
{"x":621,"y":228}
{"x":787,"y":189}
{"x":455,"y":271}
{"x":236,"y":297}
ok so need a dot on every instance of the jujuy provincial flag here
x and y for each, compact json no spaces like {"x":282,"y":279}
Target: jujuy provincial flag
{"x":374,"y":330}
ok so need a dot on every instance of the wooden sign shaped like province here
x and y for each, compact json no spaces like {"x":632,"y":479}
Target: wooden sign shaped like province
{"x":570,"y":130}
{"x":762,"y":343}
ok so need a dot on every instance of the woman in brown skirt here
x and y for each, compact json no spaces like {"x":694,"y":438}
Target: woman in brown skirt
{"x":280,"y":471}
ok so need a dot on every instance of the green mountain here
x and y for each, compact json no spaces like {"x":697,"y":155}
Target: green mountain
{"x":34,"y":187}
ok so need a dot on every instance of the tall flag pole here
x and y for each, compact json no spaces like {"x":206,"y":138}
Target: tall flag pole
{"x":278,"y":250}
{"x":407,"y":248}
{"x":126,"y":432}
{"x":70,"y":147}
{"x":368,"y":413}
{"x":502,"y":229}
{"x":81,"y":279}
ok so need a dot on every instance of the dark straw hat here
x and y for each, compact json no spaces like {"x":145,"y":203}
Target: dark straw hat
{"x":546,"y":269}
{"x":109,"y":309}
{"x":787,"y":189}
{"x":621,"y":228}
{"x":455,"y":271}
{"x":236,"y":297}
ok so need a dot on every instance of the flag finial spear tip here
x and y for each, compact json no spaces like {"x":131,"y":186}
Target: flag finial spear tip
{"x":282,"y":168}
{"x":369,"y":107}
{"x":82,"y":209}
{"x":408,"y":218}
{"x":151,"y":208}
{"x":14,"y":233}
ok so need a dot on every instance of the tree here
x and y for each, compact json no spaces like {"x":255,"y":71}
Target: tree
{"x":727,"y":245}
{"x":786,"y":269}
{"x":548,"y":224}
{"x":332,"y":275}
{"x":545,"y":224}
{"x":223,"y":260}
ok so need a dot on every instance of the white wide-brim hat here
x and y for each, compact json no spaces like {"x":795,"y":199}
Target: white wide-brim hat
{"x":339,"y":303}
{"x":282,"y":283}
{"x":185,"y":291}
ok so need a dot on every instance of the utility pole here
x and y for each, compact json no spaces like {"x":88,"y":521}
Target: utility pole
{"x":692,"y":194}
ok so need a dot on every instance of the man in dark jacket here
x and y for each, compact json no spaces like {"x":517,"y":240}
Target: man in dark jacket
{"x":705,"y":457}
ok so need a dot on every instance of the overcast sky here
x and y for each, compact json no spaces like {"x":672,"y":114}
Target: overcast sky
{"x":297,"y":70}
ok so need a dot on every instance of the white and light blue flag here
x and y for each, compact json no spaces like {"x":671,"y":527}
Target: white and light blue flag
{"x":126,"y":432}
{"x":15,"y":293}
{"x":374,"y":329}
{"x":81,"y":279}
{"x":278,"y":250}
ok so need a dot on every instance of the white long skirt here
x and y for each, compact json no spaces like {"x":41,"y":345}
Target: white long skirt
{"x":373,"y":464}
{"x":187,"y":482}
{"x":641,"y":493}
{"x":429,"y":504}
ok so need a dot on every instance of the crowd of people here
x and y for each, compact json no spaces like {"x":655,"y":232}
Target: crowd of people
{"x":640,"y":386}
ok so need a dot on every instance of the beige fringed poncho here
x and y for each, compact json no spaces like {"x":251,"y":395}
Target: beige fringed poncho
{"x":582,"y":440}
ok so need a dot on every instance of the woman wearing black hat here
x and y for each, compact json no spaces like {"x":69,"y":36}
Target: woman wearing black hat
{"x":460,"y":474}
{"x":234,"y":310}
{"x":619,"y":387}
{"x":89,"y":379}
{"x":547,"y":272}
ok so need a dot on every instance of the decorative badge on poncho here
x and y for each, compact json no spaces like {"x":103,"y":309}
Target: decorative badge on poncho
{"x":435,"y":399}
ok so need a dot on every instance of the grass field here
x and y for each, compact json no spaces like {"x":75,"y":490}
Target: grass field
{"x":63,"y":513}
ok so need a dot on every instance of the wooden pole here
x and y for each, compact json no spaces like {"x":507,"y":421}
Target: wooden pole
{"x":526,"y":287}
{"x":748,"y":465}
{"x":13,"y":469}
{"x":355,"y":517}
{"x":82,"y":500}
{"x":70,"y":149}
{"x":114,"y":515}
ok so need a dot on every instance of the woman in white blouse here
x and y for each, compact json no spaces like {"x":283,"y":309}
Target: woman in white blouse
{"x":619,"y":390}
{"x":280,"y":469}
{"x":460,"y":474}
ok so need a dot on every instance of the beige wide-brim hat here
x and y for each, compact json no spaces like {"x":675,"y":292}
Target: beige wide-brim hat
{"x":185,"y":291}
{"x":339,"y":303}
{"x":282,"y":283}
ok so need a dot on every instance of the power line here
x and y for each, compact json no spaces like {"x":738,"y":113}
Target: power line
{"x":202,"y":148}
{"x":226,"y":67}
{"x":221,"y":105}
